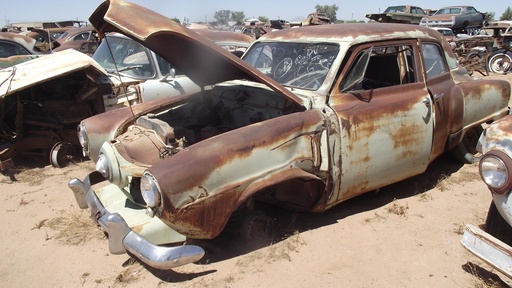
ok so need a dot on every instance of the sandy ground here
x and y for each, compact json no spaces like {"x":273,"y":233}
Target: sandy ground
{"x":404,"y":235}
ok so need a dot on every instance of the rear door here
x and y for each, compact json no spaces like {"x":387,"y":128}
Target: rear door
{"x":445,"y":100}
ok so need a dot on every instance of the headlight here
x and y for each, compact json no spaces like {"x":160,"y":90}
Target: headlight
{"x":83,"y":139}
{"x":150,"y":190}
{"x":103,"y":167}
{"x":494,"y":170}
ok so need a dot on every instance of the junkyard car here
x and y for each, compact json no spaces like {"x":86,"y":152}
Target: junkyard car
{"x":46,"y":38}
{"x":307,"y":120}
{"x":140,"y":75}
{"x":42,"y":101}
{"x":399,"y":14}
{"x":495,"y":244}
{"x":75,"y":37}
{"x":16,"y":48}
{"x":457,"y":18}
{"x":135,"y":73}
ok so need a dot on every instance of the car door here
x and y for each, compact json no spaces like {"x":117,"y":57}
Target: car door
{"x":385,"y":118}
{"x":445,"y":101}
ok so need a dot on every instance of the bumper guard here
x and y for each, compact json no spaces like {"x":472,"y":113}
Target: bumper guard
{"x":122,"y":238}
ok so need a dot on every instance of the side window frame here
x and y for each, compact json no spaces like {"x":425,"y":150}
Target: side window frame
{"x":406,"y":66}
{"x":434,"y":62}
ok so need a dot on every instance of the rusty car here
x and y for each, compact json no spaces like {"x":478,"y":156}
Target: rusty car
{"x":399,"y":14}
{"x":75,"y":37}
{"x":307,"y":119}
{"x":16,"y":48}
{"x":135,"y":74}
{"x":46,"y":38}
{"x":457,"y":18}
{"x":42,"y":101}
{"x":494,"y":245}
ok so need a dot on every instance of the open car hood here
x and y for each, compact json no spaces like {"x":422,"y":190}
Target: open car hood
{"x":43,"y":69}
{"x":199,"y":58}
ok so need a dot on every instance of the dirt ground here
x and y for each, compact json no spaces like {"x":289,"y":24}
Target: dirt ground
{"x":404,"y":235}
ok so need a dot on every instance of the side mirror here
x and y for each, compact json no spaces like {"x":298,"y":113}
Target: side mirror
{"x":171,"y":75}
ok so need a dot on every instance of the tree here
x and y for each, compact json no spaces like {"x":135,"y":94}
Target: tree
{"x":507,"y":15}
{"x":222,"y":16}
{"x":237,"y":16}
{"x":263,"y":19}
{"x":175,"y":19}
{"x":329,"y":10}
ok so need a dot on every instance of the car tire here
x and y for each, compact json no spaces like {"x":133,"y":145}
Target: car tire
{"x":500,"y":61}
{"x":465,"y":151}
{"x":497,"y":226}
{"x":257,"y":227}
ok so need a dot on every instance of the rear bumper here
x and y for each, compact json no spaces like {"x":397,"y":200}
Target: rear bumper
{"x":121,"y":232}
{"x":488,"y":248}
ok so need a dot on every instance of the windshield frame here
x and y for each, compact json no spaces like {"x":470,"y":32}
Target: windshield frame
{"x":301,"y":65}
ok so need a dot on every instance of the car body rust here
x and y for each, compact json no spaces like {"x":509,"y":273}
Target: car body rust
{"x":305,"y":120}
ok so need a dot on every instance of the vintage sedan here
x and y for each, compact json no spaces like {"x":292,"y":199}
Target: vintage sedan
{"x":494,"y":245}
{"x":399,"y":14}
{"x":457,"y":18}
{"x":311,"y":117}
{"x":75,"y":37}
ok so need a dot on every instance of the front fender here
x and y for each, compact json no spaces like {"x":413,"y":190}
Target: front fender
{"x":204,"y":184}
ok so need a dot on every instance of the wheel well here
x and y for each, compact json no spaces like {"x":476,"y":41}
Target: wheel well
{"x":297,"y":194}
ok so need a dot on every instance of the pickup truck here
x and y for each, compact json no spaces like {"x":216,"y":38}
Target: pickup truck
{"x":308,"y":118}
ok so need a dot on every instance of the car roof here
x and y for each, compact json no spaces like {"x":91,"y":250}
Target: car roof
{"x":352,"y":32}
{"x":25,"y":41}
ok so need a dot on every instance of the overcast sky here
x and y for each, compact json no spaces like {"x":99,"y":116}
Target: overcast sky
{"x":196,"y":10}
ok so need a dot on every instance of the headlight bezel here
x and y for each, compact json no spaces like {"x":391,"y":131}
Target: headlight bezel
{"x":505,"y":162}
{"x":150,"y":190}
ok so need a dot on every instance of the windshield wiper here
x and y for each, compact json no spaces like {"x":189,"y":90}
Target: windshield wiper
{"x":125,"y":69}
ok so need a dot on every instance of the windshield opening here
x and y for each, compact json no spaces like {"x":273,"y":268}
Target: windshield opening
{"x":129,"y":58}
{"x":299,"y":65}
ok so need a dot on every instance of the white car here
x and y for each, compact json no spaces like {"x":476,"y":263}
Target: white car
{"x":494,"y":245}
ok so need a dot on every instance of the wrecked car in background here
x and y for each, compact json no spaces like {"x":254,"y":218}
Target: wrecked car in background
{"x":457,"y":18}
{"x":139,"y":75}
{"x":43,"y":100}
{"x":16,"y":48}
{"x":135,"y":75}
{"x":307,"y":120}
{"x":494,"y":245}
{"x":399,"y":14}
{"x":75,"y":37}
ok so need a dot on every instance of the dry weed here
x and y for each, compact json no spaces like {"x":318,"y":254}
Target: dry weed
{"x":397,"y":209}
{"x":481,"y":278}
{"x":73,"y":228}
{"x":425,"y":197}
{"x":442,"y":183}
{"x":376,"y":217}
{"x":129,"y":275}
{"x":458,"y":229}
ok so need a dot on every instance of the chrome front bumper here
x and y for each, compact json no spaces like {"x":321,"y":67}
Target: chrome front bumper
{"x":122,"y":238}
{"x":488,"y":248}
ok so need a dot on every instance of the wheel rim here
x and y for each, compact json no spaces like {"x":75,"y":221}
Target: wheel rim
{"x":61,"y":154}
{"x":500,"y":63}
